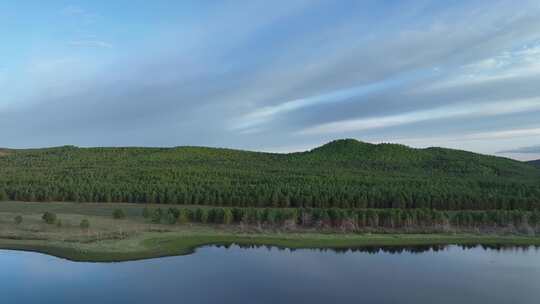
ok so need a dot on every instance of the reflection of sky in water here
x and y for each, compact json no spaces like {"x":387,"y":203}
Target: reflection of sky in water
{"x":235,"y":275}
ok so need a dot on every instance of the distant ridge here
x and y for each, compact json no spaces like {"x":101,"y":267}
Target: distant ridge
{"x":535,"y":162}
{"x":344,"y":173}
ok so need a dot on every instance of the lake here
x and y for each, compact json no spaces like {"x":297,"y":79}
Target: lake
{"x":448,"y":274}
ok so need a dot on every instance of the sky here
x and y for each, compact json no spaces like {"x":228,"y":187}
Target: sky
{"x":277,"y":76}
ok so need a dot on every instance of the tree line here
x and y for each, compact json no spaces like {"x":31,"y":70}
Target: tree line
{"x":350,"y":219}
{"x":285,"y":196}
{"x":343,"y":174}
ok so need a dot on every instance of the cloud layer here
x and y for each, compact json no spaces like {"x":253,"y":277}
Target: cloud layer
{"x":525,"y":150}
{"x":302,"y":73}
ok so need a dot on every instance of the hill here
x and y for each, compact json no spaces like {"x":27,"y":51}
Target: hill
{"x":343,"y":173}
{"x":535,"y":163}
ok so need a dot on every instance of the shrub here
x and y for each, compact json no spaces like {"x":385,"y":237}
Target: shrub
{"x":49,"y":217}
{"x":58,"y":223}
{"x":156,"y":215}
{"x":118,"y":214}
{"x":218,"y":215}
{"x":171,"y":219}
{"x":18,"y":219}
{"x":272,"y":216}
{"x":183,"y":216}
{"x":190,"y":214}
{"x":85,"y":224}
{"x":227,"y":216}
{"x":204,"y":216}
{"x":174,"y":211}
{"x":3,"y":195}
{"x":197,"y":215}
{"x":146,"y":212}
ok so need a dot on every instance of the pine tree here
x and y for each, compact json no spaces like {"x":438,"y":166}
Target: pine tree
{"x":227,"y":216}
{"x":3,"y":195}
{"x":183,"y":216}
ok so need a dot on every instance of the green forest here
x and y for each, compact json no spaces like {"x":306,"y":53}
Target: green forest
{"x":348,"y":219}
{"x":535,"y":163}
{"x":345,"y":174}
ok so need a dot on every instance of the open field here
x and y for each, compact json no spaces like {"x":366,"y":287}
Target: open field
{"x":134,"y":237}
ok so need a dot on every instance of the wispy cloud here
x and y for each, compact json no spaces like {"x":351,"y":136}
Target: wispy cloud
{"x":458,"y":111}
{"x":73,"y":10}
{"x":515,"y":133}
{"x":521,"y":62}
{"x":523,"y":150}
{"x":80,"y":15}
{"x":268,"y":113}
{"x":302,"y":73}
{"x":90,"y":43}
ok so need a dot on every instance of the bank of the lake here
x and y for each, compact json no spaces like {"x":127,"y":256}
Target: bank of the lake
{"x":134,"y":237}
{"x":160,"y":244}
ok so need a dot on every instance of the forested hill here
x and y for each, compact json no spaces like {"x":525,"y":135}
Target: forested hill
{"x":343,"y":174}
{"x":535,"y":163}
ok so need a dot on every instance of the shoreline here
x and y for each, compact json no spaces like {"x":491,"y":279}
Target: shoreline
{"x":157,"y":245}
{"x":136,"y":237}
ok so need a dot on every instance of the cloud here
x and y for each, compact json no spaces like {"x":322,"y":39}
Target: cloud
{"x":73,"y":10}
{"x":266,"y":114}
{"x":81,"y":15}
{"x":523,"y":62}
{"x":302,"y":73}
{"x":514,"y":133}
{"x":524,"y":150}
{"x":448,"y":112}
{"x":90,"y":43}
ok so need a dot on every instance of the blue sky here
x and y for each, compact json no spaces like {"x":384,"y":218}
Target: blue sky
{"x":271,"y":75}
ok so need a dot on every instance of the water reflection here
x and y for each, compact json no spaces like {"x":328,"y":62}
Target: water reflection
{"x":416,"y":249}
{"x":263,"y":274}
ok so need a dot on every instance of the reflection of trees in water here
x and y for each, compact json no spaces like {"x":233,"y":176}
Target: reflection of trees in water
{"x":393,"y":249}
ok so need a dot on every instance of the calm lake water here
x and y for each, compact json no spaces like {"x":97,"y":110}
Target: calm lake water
{"x":261,"y":275}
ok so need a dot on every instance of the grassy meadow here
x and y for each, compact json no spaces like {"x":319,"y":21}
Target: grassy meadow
{"x":134,"y":237}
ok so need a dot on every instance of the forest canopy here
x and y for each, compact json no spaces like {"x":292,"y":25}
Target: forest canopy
{"x":340,"y":174}
{"x":535,"y":163}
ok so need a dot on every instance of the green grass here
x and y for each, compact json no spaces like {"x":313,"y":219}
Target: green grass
{"x":152,"y":245}
{"x":133,"y":238}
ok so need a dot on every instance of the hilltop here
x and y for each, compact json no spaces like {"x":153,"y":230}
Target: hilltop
{"x":343,"y":173}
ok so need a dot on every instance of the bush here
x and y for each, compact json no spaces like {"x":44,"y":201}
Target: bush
{"x":156,"y":216}
{"x":49,"y":217}
{"x":3,"y":195}
{"x":171,"y":218}
{"x":58,"y":223}
{"x":85,"y":224}
{"x":174,"y":211}
{"x":183,"y":216}
{"x":204,"y":216}
{"x":118,"y":214}
{"x":146,"y":212}
{"x":218,"y":214}
{"x":272,"y":216}
{"x":18,"y":219}
{"x":227,"y":216}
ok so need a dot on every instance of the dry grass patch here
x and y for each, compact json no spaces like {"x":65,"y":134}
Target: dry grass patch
{"x":134,"y":237}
